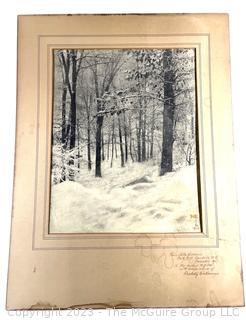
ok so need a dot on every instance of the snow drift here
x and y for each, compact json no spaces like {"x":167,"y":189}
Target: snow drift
{"x":131,"y":199}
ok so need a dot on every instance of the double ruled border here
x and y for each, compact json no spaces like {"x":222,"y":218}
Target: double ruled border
{"x":42,"y":240}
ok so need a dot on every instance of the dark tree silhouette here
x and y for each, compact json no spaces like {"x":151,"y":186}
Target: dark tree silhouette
{"x":168,"y":114}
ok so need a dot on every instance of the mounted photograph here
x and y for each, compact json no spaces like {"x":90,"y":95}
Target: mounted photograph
{"x":124,"y":141}
{"x":124,"y":164}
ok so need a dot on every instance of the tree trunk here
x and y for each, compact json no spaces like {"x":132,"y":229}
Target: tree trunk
{"x":103,"y":154}
{"x":144,"y":106}
{"x":130,"y":138}
{"x":63,"y":137}
{"x":73,"y":122}
{"x":138,"y":130}
{"x":99,"y":124}
{"x":65,"y":63}
{"x":115,"y":147}
{"x":73,"y":102}
{"x":73,"y":112}
{"x":64,"y":101}
{"x":108,"y":144}
{"x":121,"y":144}
{"x":98,"y":172}
{"x":148,"y":148}
{"x":88,"y":110}
{"x":152,"y":134}
{"x":168,"y":115}
{"x":78,"y":145}
{"x":112,"y":153}
{"x":89,"y":147}
{"x":144,"y":136}
{"x":72,"y":133}
{"x":125,"y":135}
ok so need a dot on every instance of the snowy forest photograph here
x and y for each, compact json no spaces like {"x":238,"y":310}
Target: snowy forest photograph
{"x":124,"y":141}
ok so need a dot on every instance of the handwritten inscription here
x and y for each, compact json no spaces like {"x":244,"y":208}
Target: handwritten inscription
{"x":196,"y":264}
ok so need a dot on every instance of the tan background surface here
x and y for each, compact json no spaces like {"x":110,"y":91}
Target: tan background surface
{"x":145,"y":275}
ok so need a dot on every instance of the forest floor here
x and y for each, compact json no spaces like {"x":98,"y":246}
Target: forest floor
{"x":130,"y":199}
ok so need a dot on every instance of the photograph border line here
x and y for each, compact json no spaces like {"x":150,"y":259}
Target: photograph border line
{"x":137,"y":235}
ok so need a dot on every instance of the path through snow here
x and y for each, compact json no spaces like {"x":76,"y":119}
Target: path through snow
{"x":122,"y":202}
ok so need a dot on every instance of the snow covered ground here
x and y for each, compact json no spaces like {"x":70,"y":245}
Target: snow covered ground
{"x":130,"y":199}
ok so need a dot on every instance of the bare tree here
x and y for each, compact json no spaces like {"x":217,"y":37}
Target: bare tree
{"x":168,"y":114}
{"x":142,"y":112}
{"x":110,"y":68}
{"x":121,"y":142}
{"x":71,"y":61}
{"x":88,"y":104}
